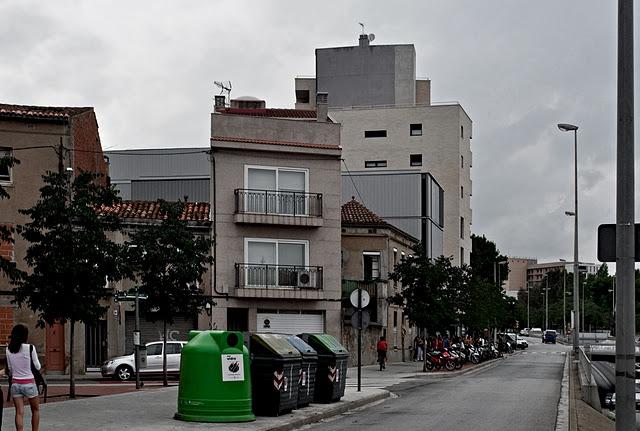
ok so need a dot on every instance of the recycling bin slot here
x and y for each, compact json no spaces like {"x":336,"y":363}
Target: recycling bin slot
{"x":275,"y":373}
{"x":306,"y":387}
{"x":215,"y":378}
{"x":331,"y":372}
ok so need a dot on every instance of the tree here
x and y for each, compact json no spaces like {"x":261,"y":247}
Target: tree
{"x":7,"y":267}
{"x":432,"y":290}
{"x":168,"y":261}
{"x":485,"y":258}
{"x":69,"y":253}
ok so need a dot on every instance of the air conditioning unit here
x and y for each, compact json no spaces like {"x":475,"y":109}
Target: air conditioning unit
{"x":305,"y":278}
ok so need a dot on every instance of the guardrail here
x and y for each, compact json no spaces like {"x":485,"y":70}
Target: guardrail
{"x":249,"y":201}
{"x":588,"y":385}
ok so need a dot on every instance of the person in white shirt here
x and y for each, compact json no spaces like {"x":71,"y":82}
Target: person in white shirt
{"x":20,"y":355}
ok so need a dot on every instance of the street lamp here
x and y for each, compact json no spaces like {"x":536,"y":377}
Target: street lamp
{"x":546,"y":304}
{"x":564,"y":297}
{"x":576,"y":304}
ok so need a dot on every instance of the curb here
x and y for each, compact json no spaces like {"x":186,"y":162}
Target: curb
{"x":331,"y":412}
{"x":562,"y":418}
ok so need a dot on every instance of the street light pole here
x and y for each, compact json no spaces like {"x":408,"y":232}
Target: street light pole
{"x":576,"y":286}
{"x":528,"y":309}
{"x":546,"y":305}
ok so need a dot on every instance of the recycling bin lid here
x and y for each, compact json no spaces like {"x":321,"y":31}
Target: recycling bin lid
{"x":329,"y":343}
{"x":276,"y":344}
{"x":302,"y":347}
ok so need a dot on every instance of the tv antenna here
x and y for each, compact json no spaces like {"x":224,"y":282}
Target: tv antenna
{"x":225,"y":87}
{"x":362,"y":25}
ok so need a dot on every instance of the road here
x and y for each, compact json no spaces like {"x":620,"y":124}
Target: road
{"x":520,"y":392}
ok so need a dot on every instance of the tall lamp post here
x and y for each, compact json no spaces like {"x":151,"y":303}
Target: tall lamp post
{"x":564,"y":297}
{"x":576,"y":298}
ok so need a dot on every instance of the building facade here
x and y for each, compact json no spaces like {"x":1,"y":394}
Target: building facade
{"x":371,"y":248}
{"x":276,"y":220}
{"x":389,"y":123}
{"x":43,"y":139}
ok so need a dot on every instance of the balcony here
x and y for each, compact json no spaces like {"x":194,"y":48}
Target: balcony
{"x":279,"y":281}
{"x":278,"y":207}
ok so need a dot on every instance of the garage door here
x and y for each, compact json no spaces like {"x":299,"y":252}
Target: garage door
{"x":152,"y":331}
{"x":284,"y":322}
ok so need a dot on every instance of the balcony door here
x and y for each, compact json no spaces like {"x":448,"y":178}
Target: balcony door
{"x":276,"y":190}
{"x":275,"y":263}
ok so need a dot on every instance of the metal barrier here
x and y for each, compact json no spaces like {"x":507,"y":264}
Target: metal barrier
{"x":588,"y":385}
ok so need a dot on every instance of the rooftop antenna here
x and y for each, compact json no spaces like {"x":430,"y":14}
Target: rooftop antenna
{"x":362,"y":25}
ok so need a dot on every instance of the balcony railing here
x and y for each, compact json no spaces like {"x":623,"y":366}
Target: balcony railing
{"x":250,"y":275}
{"x":278,"y":203}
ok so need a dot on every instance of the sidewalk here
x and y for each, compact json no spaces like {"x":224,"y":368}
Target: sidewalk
{"x":153,"y":409}
{"x":582,"y":417}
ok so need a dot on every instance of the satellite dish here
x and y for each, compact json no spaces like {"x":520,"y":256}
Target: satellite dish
{"x":372,"y":37}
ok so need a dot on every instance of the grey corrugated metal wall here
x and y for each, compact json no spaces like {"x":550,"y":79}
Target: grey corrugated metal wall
{"x":196,"y":190}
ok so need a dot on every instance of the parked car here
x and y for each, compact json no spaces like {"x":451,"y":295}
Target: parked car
{"x":123,"y":368}
{"x":535,"y":332}
{"x":549,"y":336}
{"x":520,"y":342}
{"x":524,"y":332}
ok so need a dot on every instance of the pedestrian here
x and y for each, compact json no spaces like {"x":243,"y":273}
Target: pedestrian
{"x":382,"y":352}
{"x":420,"y":349}
{"x":416,"y":343}
{"x":20,"y":358}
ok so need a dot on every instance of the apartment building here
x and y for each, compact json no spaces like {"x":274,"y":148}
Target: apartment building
{"x":371,"y":248}
{"x":43,"y":138}
{"x":525,"y":271}
{"x":276,"y":219}
{"x":389,"y":123}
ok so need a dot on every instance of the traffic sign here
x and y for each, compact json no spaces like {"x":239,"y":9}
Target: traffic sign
{"x":366,"y":320}
{"x":364,"y":298}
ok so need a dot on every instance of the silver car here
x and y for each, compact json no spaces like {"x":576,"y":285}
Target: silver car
{"x":123,"y":367}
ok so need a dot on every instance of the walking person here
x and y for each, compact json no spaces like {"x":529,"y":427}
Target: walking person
{"x":382,"y":352}
{"x":420,"y":349}
{"x":20,"y":358}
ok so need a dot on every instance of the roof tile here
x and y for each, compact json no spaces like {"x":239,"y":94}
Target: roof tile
{"x":40,"y":112}
{"x":272,"y":112}
{"x":353,"y":212}
{"x":150,"y":210}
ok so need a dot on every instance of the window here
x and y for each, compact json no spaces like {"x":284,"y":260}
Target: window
{"x":462,"y":131}
{"x":274,"y":262}
{"x":154,"y":349}
{"x":462,"y":161}
{"x":461,"y":255}
{"x":395,"y":319}
{"x":375,"y":133}
{"x":302,"y":96}
{"x":276,"y":190}
{"x":174,"y":348}
{"x":461,"y":192}
{"x":371,"y":261}
{"x":415,"y":159}
{"x":462,"y":227}
{"x":5,"y":169}
{"x":375,"y":164}
{"x":415,"y":129}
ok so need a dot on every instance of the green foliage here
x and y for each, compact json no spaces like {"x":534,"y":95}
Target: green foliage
{"x":485,"y":258}
{"x":8,"y":268}
{"x":438,"y":296}
{"x":168,"y":260}
{"x":69,"y":253}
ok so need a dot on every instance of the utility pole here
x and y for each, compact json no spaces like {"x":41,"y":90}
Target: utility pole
{"x":625,"y":219}
{"x":546,"y":304}
{"x":564,"y":300}
{"x":528,"y":309}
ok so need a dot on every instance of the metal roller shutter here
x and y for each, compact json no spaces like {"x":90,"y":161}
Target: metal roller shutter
{"x":152,"y":331}
{"x":290,"y":323}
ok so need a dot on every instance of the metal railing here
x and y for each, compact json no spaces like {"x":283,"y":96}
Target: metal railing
{"x":251,"y":201}
{"x":251,"y":275}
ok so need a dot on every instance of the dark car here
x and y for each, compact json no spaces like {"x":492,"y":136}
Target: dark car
{"x":549,"y":336}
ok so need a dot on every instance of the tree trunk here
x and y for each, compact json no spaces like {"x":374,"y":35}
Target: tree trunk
{"x":165,"y":381}
{"x":72,"y":378}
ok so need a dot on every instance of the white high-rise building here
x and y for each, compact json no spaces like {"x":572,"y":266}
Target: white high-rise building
{"x":389,"y":124}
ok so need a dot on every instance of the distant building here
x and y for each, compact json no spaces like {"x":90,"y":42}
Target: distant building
{"x":525,"y":272}
{"x":390,"y":124}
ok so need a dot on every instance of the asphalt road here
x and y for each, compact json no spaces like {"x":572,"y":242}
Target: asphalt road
{"x":520,"y":393}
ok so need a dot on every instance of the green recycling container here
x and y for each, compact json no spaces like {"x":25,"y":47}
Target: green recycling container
{"x":331,"y":373}
{"x":215,"y":378}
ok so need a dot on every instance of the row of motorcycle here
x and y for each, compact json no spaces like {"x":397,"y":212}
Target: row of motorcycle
{"x":457,"y":355}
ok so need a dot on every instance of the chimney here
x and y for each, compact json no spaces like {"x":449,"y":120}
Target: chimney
{"x":364,"y":40}
{"x":219,"y":102}
{"x":322,"y":107}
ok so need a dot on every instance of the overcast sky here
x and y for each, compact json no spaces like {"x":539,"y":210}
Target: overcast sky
{"x":517,"y":67}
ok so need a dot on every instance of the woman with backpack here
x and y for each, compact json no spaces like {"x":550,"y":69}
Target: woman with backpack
{"x":21,"y":357}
